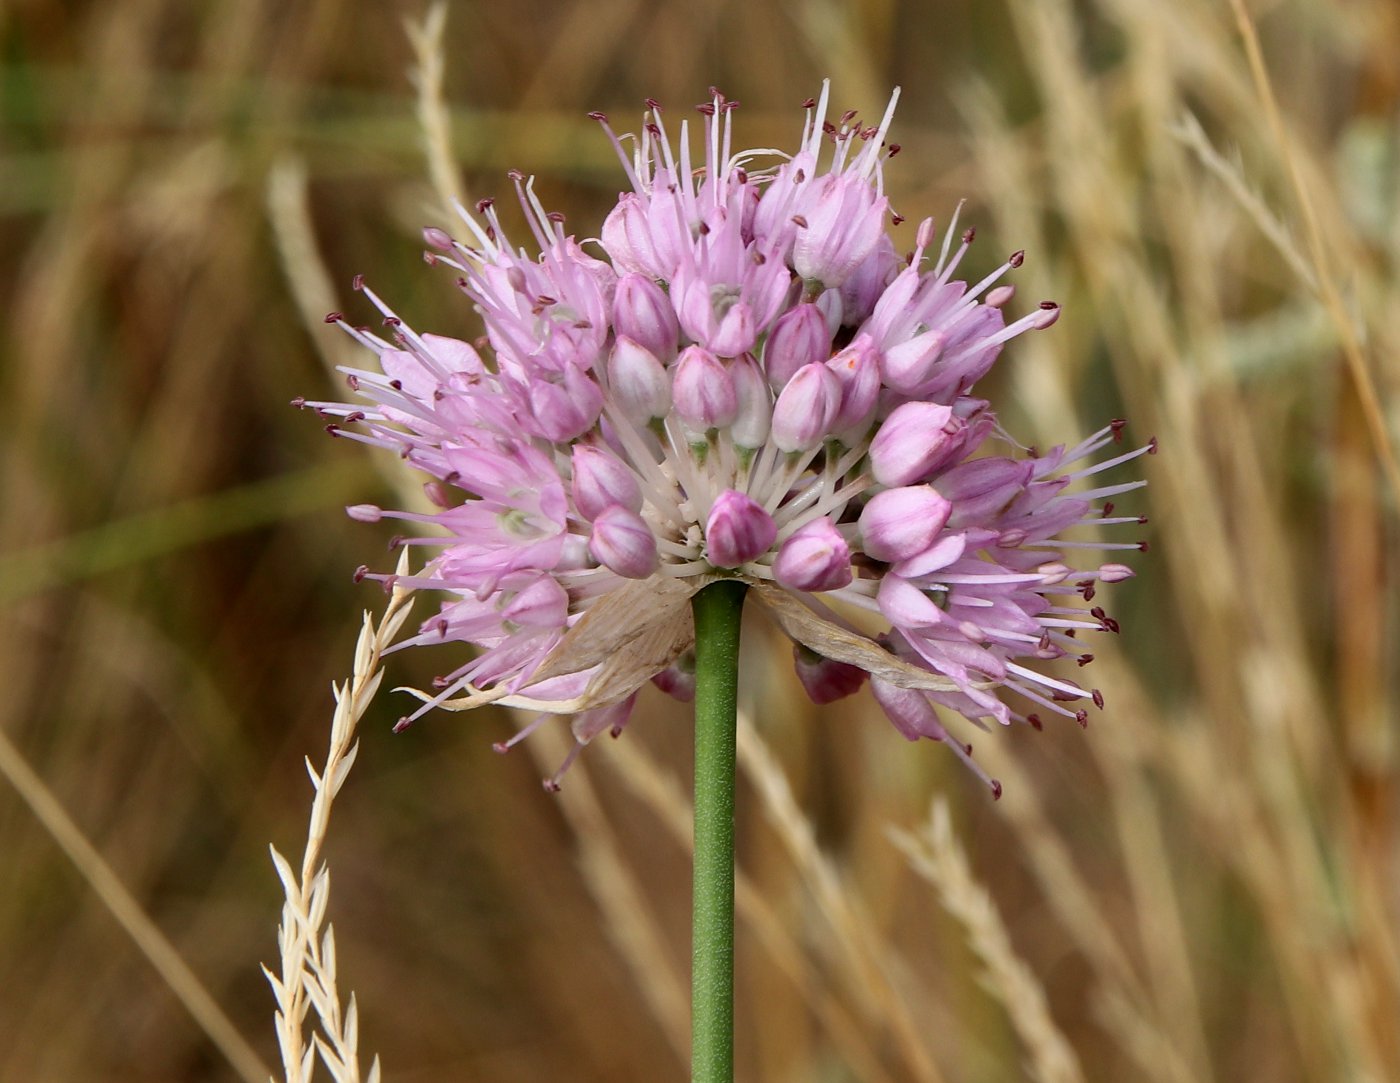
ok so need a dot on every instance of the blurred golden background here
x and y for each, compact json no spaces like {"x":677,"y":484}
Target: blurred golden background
{"x":1201,"y":887}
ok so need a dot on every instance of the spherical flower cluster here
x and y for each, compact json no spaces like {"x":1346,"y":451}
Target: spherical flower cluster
{"x":752,"y":384}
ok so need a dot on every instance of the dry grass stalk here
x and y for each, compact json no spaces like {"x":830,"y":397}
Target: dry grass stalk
{"x":670,"y":804}
{"x":1074,"y":901}
{"x":1331,"y":297}
{"x":631,"y":922}
{"x":307,"y":278}
{"x":869,"y":961}
{"x":434,"y":118}
{"x":936,"y":856}
{"x":1259,"y":676}
{"x":308,"y":962}
{"x":1230,"y":173}
{"x":129,"y":913}
{"x":1156,"y":898}
{"x":1154,"y":256}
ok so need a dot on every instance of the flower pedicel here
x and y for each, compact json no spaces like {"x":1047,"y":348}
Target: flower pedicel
{"x":755,"y":385}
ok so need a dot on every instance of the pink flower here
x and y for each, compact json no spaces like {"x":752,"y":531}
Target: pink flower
{"x":823,"y":680}
{"x":703,"y":391}
{"x":751,"y":385}
{"x":897,"y":524}
{"x":624,"y":543}
{"x":639,"y":383}
{"x":800,"y":337}
{"x":601,"y":479}
{"x":737,"y":530}
{"x":914,"y":439}
{"x":806,"y":409}
{"x":643,"y":314}
{"x":815,"y":558}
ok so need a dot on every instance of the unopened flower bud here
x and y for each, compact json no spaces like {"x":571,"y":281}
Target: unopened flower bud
{"x":438,"y":494}
{"x":911,"y":363}
{"x":703,"y":391}
{"x":601,"y":479}
{"x":805,"y":409}
{"x":543,"y":604}
{"x":628,"y":240}
{"x":737,"y":531}
{"x":865,"y":285}
{"x":799,"y":338}
{"x":623,"y":542}
{"x":845,"y":221}
{"x":899,"y":523}
{"x":825,"y":679}
{"x":910,"y":443}
{"x":814,"y":558}
{"x":678,"y":679}
{"x":437,"y":238}
{"x":639,"y":382}
{"x":565,"y":411}
{"x":858,"y":373}
{"x":750,"y":428}
{"x":642,"y":313}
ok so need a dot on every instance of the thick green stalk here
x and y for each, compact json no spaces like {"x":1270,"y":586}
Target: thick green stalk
{"x":717,"y":610}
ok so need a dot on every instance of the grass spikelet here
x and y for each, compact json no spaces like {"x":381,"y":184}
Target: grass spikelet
{"x":936,"y":855}
{"x":307,"y":978}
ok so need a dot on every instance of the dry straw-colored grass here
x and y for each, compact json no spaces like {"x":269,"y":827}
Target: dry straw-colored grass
{"x":307,"y":980}
{"x":1202,"y":887}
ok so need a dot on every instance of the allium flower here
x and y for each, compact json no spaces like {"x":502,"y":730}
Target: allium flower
{"x":751,"y":384}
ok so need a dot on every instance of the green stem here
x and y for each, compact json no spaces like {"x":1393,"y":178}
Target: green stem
{"x":717,"y":609}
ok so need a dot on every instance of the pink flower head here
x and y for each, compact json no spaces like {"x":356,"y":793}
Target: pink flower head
{"x":751,"y":384}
